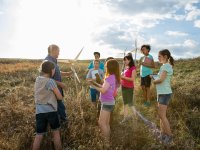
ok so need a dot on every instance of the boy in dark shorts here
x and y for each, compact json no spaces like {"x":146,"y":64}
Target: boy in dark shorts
{"x":46,"y":95}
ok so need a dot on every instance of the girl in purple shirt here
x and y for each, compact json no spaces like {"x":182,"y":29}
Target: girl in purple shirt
{"x":112,"y":79}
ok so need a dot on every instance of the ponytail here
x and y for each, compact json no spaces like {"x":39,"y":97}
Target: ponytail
{"x":171,"y":60}
{"x":166,"y":52}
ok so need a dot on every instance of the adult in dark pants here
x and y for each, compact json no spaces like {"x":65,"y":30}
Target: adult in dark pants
{"x":53,"y":53}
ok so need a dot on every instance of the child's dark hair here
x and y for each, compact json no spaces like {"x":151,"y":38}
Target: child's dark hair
{"x":131,"y":63}
{"x":47,"y":67}
{"x":97,"y":53}
{"x":147,"y":46}
{"x":166,"y":52}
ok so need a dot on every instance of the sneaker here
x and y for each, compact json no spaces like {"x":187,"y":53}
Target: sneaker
{"x":147,"y":104}
{"x":166,"y":139}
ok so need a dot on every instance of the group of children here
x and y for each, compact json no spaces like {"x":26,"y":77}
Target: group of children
{"x":104,"y":88}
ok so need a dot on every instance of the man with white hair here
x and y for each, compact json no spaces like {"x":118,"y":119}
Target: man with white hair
{"x":53,"y":53}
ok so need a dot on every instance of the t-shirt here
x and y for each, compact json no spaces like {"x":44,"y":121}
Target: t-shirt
{"x":128,"y":73}
{"x":101,"y":65}
{"x":165,"y":86}
{"x":92,"y":72}
{"x":145,"y":71}
{"x":45,"y":108}
{"x":57,"y":75}
{"x":108,"y":97}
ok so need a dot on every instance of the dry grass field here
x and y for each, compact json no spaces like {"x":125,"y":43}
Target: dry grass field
{"x":17,"y":121}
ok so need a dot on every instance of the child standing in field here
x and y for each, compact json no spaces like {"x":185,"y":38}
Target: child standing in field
{"x":146,"y":65}
{"x":96,"y":57}
{"x":95,"y":74}
{"x":164,"y":92}
{"x":106,"y":90}
{"x":46,"y":95}
{"x":127,"y":84}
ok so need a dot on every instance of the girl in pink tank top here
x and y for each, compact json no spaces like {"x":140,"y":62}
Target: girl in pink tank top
{"x":127,"y":83}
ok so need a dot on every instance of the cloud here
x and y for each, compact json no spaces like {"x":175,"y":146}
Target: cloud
{"x":189,"y":6}
{"x":135,"y":7}
{"x":190,"y":43}
{"x":116,"y":37}
{"x":193,"y":14}
{"x":175,"y":33}
{"x":197,"y":23}
{"x":183,"y":49}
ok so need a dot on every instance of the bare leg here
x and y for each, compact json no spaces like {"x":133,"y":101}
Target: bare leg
{"x":134,"y":111}
{"x":126,"y":107}
{"x":104,"y":124}
{"x":144,"y":92}
{"x":37,"y":142}
{"x":148,"y":93}
{"x":165,"y":123}
{"x":56,"y":140}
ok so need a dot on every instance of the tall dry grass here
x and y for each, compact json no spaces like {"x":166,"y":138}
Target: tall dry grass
{"x":18,"y":121}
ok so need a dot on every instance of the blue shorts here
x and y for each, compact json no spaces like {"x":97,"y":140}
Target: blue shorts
{"x":109,"y":108}
{"x":43,"y":119}
{"x":94,"y":94}
{"x":164,"y":98}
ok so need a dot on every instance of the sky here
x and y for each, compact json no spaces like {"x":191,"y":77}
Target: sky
{"x":28,"y":27}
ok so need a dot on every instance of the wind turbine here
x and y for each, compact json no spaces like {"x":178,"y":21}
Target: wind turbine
{"x":135,"y":51}
{"x":124,"y":53}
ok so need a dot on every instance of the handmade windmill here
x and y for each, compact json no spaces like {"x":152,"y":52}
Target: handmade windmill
{"x":72,"y":62}
{"x":72,"y":66}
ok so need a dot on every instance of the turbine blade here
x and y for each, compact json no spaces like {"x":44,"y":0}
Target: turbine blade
{"x":76,"y":58}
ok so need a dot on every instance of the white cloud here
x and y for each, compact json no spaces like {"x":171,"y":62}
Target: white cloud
{"x":193,"y":14}
{"x":189,"y":6}
{"x":197,"y":23}
{"x":175,"y":33}
{"x":178,"y":17}
{"x":190,"y":43}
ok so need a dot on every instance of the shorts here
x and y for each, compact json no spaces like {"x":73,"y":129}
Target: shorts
{"x":146,"y":81}
{"x":127,"y":95}
{"x":94,"y":94}
{"x":43,"y":119}
{"x":106,"y":107}
{"x":164,"y":98}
